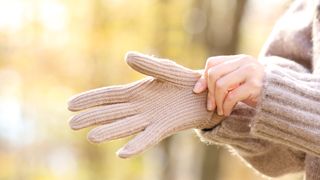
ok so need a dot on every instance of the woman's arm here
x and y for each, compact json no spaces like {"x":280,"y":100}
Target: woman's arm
{"x":268,"y":158}
{"x":272,"y":158}
{"x":289,"y":109}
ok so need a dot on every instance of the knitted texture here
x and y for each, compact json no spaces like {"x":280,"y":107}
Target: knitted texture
{"x":287,"y":115}
{"x":316,"y":37}
{"x":312,"y":167}
{"x":234,"y":131}
{"x":156,"y":106}
{"x":265,"y":156}
{"x":291,"y":36}
{"x":283,"y":116}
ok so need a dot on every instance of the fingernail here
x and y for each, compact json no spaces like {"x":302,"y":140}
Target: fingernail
{"x":220,"y":113}
{"x":197,"y":87}
{"x":209,"y":106}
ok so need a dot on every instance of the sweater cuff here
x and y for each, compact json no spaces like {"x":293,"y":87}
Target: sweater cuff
{"x":289,"y":112}
{"x":235,"y":131}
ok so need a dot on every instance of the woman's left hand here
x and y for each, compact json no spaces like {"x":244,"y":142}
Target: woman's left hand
{"x":231,"y":79}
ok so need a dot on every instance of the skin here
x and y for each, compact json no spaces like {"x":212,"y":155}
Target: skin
{"x":231,"y":79}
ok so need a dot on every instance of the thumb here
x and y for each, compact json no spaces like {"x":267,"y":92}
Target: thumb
{"x":163,"y":69}
{"x":201,"y":85}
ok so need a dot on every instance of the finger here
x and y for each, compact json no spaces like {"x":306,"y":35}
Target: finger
{"x":201,"y":85}
{"x":119,"y":129}
{"x":215,"y":60}
{"x":102,"y":115}
{"x":151,"y":136}
{"x":239,"y":94}
{"x":105,"y":95}
{"x":227,"y":82}
{"x":216,"y":72}
{"x":162,"y":69}
{"x":211,"y":105}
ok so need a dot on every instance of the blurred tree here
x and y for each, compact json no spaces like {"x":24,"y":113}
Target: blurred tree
{"x":221,"y":31}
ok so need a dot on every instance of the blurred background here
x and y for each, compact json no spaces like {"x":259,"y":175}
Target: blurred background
{"x":52,"y":49}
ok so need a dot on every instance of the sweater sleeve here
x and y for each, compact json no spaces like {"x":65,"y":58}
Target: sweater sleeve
{"x":289,"y":112}
{"x":267,"y":157}
{"x":270,"y":159}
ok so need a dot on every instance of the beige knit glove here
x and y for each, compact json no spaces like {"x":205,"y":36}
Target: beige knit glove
{"x":156,"y":106}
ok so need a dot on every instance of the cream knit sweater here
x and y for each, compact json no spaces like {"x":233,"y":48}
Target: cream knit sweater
{"x":282,"y":135}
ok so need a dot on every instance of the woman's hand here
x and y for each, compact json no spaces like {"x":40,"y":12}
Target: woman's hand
{"x":231,"y":79}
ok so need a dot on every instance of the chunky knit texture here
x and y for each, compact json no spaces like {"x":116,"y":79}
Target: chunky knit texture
{"x":268,"y":157}
{"x":286,"y":121}
{"x":289,"y":111}
{"x":292,"y":34}
{"x":156,"y":106}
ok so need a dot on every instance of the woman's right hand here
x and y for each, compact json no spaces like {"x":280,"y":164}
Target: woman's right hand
{"x":231,"y":79}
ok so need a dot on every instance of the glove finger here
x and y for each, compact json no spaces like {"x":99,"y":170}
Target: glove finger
{"x":162,"y":69}
{"x":106,"y":95}
{"x":102,"y":115}
{"x":151,"y":136}
{"x":119,"y":129}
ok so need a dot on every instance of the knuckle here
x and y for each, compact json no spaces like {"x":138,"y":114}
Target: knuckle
{"x":210,"y":58}
{"x":256,"y":84}
{"x":251,"y":67}
{"x":212,"y":74}
{"x":220,"y":84}
{"x":247,"y":58}
{"x":230,"y":99}
{"x":230,"y":96}
{"x":211,"y":61}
